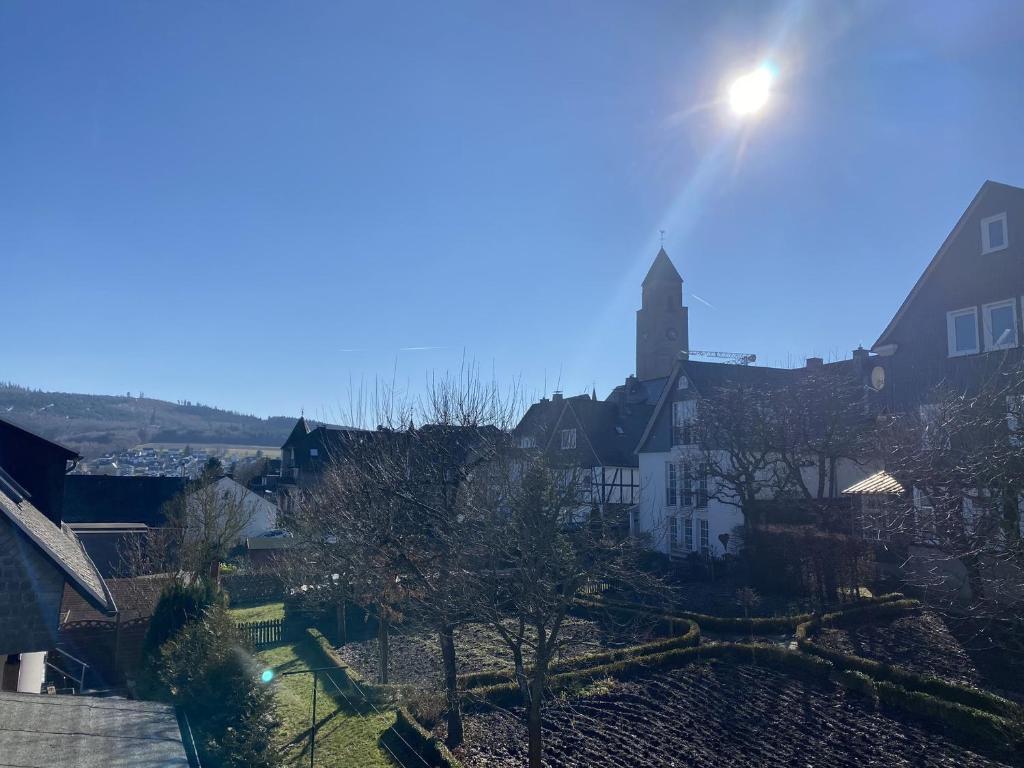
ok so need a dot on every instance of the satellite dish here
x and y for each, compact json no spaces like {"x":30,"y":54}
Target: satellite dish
{"x":878,"y":377}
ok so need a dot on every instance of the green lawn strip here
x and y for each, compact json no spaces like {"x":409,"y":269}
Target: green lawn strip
{"x":344,"y":736}
{"x":262,"y":612}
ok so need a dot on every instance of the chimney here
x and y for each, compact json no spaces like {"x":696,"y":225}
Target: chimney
{"x":556,"y":395}
{"x":813,"y":363}
{"x":860,"y":356}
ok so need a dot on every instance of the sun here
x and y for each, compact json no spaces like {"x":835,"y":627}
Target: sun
{"x":751,"y":91}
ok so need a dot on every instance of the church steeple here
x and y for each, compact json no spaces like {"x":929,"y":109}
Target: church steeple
{"x":662,"y":325}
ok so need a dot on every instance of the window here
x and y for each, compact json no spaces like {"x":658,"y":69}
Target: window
{"x":568,"y":439}
{"x":683,"y":413}
{"x":993,"y":233}
{"x":1000,"y":322}
{"x":687,"y":486}
{"x":673,"y":532}
{"x":962,"y":330}
{"x":702,"y":487}
{"x":688,"y":534}
{"x":934,"y":434}
{"x":314,"y":452}
{"x":683,"y":383}
{"x":671,"y":480}
{"x":527,"y":442}
{"x":705,"y":544}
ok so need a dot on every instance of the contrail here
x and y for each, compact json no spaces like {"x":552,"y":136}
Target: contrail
{"x":702,"y":301}
{"x":417,"y":349}
{"x":350,"y":350}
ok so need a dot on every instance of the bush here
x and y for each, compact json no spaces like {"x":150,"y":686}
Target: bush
{"x":213,"y":679}
{"x":178,"y":605}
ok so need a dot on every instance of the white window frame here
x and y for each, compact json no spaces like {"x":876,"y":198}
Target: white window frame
{"x":527,"y":441}
{"x":990,"y":343}
{"x":705,"y":537}
{"x":986,"y":246}
{"x":568,"y":439}
{"x":671,"y":484}
{"x":673,"y":533}
{"x":951,"y":332}
{"x":683,"y":382}
{"x":688,"y":534}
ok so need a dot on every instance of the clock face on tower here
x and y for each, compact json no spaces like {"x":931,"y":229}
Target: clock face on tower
{"x":671,"y":334}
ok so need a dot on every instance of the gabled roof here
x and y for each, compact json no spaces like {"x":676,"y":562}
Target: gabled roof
{"x":937,"y":258}
{"x":59,"y":545}
{"x":705,"y":378}
{"x":662,"y":270}
{"x":59,"y":448}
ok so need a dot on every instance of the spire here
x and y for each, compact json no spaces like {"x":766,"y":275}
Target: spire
{"x":593,"y":393}
{"x":662,"y":270}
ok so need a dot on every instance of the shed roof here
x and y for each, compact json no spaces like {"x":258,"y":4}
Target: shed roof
{"x":879,"y":483}
{"x":88,"y":732}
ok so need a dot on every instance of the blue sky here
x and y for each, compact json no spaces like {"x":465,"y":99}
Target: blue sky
{"x":260,"y":205}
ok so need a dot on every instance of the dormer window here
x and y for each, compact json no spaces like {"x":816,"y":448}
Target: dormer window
{"x":962,"y":332}
{"x":568,"y":439}
{"x":683,"y":383}
{"x":993,"y":233}
{"x":1000,"y":322}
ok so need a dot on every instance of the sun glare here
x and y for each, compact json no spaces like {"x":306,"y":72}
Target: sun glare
{"x":750,"y":92}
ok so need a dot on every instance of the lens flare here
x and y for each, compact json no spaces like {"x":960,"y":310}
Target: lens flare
{"x":267,"y":676}
{"x":751,"y":91}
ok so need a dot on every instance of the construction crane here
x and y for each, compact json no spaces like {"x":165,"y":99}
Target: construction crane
{"x":737,"y":358}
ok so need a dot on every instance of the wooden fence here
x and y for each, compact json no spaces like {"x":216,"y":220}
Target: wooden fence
{"x":263,"y":633}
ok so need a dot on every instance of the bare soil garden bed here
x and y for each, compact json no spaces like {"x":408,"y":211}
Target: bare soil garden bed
{"x":921,"y":643}
{"x":416,"y":658}
{"x":714,"y":715}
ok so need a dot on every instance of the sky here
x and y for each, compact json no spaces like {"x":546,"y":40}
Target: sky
{"x":265,"y":206}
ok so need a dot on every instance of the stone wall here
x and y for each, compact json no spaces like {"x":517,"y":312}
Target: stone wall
{"x":31,"y":587}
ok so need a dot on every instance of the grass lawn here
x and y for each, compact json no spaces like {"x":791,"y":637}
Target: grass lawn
{"x":263,"y":612}
{"x":343,"y":736}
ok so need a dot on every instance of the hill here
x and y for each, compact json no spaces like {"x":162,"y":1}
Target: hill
{"x":95,"y":424}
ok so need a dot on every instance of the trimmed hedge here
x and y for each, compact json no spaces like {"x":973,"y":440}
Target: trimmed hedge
{"x":955,"y":693}
{"x":376,"y":692}
{"x":688,"y":639}
{"x":735,"y":625}
{"x":980,"y":730}
{"x":792,"y":662}
{"x":426,"y":744}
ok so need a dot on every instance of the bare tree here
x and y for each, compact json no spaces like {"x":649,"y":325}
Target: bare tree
{"x":392,"y":503}
{"x":534,"y":551}
{"x":211,"y":520}
{"x":959,"y":456}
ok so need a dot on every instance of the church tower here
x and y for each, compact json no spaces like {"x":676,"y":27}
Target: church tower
{"x":662,"y":326}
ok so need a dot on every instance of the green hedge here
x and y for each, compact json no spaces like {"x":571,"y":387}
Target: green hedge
{"x":735,"y":625}
{"x":664,"y":623}
{"x":792,"y":662}
{"x":688,"y":639}
{"x":426,"y":744}
{"x":374,"y":691}
{"x":929,"y":684}
{"x":979,"y":730}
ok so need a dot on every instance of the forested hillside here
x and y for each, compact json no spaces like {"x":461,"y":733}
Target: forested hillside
{"x":94,"y":424}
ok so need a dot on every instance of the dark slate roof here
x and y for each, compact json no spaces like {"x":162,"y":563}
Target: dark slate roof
{"x":112,"y":499}
{"x":59,"y":546}
{"x":662,"y":270}
{"x":298,"y":433}
{"x":88,"y":732}
{"x":611,"y":428}
{"x":53,"y":445}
